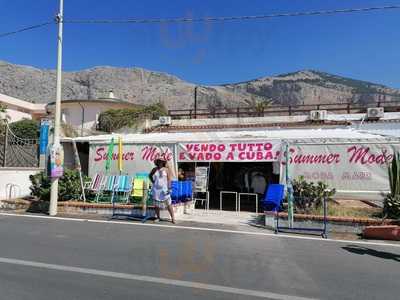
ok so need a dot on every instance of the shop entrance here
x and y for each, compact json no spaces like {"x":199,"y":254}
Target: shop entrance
{"x":239,"y":177}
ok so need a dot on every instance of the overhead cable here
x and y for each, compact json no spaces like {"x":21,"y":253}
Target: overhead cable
{"x":229,"y":18}
{"x":25,"y":29}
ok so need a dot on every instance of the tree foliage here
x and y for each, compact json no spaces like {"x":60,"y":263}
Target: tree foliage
{"x":258,"y":104}
{"x":3,"y":117}
{"x":69,"y":186}
{"x":392,"y":201}
{"x":26,"y":129}
{"x":114,"y":119}
{"x":309,"y":195}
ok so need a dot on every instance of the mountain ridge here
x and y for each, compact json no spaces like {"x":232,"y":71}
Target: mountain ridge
{"x":143,"y":86}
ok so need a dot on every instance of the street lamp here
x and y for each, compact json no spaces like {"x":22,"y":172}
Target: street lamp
{"x":56,"y":141}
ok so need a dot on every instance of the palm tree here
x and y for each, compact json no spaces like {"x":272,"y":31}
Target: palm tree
{"x":258,"y":104}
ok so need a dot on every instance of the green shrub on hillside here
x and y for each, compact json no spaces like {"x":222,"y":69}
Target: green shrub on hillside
{"x":114,"y":119}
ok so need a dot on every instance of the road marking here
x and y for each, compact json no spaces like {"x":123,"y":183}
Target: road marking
{"x":285,"y":236}
{"x":151,"y":279}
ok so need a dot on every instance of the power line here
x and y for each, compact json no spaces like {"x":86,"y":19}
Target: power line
{"x":25,"y":29}
{"x":231,"y":18}
{"x":206,"y":19}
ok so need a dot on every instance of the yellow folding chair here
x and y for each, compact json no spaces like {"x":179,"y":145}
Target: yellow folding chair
{"x":138,"y":188}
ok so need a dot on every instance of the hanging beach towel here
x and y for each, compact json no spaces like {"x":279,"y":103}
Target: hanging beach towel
{"x":109,"y":155}
{"x":120,"y":166}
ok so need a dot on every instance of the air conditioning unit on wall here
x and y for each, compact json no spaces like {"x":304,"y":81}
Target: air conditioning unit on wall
{"x":375,"y":112}
{"x":318,"y":115}
{"x":165,"y":120}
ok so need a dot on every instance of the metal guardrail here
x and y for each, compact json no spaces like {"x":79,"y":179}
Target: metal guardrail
{"x":280,"y":110}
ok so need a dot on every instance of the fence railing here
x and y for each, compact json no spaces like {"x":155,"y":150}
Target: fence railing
{"x":17,"y":152}
{"x":280,"y":110}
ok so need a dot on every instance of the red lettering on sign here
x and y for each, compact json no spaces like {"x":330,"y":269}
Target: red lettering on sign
{"x":267,"y":146}
{"x":241,"y":147}
{"x":242,"y":155}
{"x":259,"y":146}
{"x":250,"y":146}
{"x":268,"y":156}
{"x":331,"y":158}
{"x":99,"y":154}
{"x":363,"y":155}
{"x":230,"y":156}
{"x":221,"y":148}
{"x":250,"y":155}
{"x":151,"y":153}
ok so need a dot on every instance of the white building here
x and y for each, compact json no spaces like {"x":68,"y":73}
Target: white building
{"x":353,"y":162}
{"x":83,"y":114}
{"x":19,"y":109}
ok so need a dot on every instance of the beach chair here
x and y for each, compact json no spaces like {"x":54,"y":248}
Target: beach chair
{"x":89,"y":183}
{"x":122,"y":188}
{"x":273,"y":197}
{"x":106,"y":189}
{"x":141,"y":189}
{"x":143,"y":175}
{"x":94,"y":186}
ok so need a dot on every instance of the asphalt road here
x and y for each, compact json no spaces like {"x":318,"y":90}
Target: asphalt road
{"x":62,"y":259}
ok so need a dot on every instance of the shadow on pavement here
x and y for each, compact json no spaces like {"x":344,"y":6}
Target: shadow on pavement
{"x":368,"y":251}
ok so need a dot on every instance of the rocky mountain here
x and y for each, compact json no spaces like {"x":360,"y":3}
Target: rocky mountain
{"x":144,"y":87}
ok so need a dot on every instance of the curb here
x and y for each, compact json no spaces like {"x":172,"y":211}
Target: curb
{"x":352,"y":220}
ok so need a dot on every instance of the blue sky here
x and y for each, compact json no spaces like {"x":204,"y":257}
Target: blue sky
{"x":364,"y":46}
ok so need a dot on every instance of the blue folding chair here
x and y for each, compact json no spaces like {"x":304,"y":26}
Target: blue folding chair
{"x":122,"y":188}
{"x":187,"y":190}
{"x":273,"y":197}
{"x":106,"y":191}
{"x":143,"y":175}
{"x":176,"y":191}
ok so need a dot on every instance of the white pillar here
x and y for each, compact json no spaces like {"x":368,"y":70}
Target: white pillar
{"x":57,"y":116}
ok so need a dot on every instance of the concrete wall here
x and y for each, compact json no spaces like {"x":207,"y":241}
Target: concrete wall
{"x":69,"y":156}
{"x":233,"y":121}
{"x":17,"y":176}
{"x":16,"y":115}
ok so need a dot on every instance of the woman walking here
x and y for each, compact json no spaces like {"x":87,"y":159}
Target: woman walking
{"x":161,"y":178}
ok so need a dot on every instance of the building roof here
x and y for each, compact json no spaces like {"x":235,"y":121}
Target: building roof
{"x":21,"y":105}
{"x":100,"y":100}
{"x":295,"y":135}
{"x":390,"y":129}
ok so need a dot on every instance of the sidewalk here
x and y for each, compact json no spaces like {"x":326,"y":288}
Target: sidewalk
{"x":223,"y":217}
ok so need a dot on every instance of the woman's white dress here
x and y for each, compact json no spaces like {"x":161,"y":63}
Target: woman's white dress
{"x":159,"y":191}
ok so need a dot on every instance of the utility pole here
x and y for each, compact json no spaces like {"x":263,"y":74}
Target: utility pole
{"x":195,"y":102}
{"x":57,"y":116}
